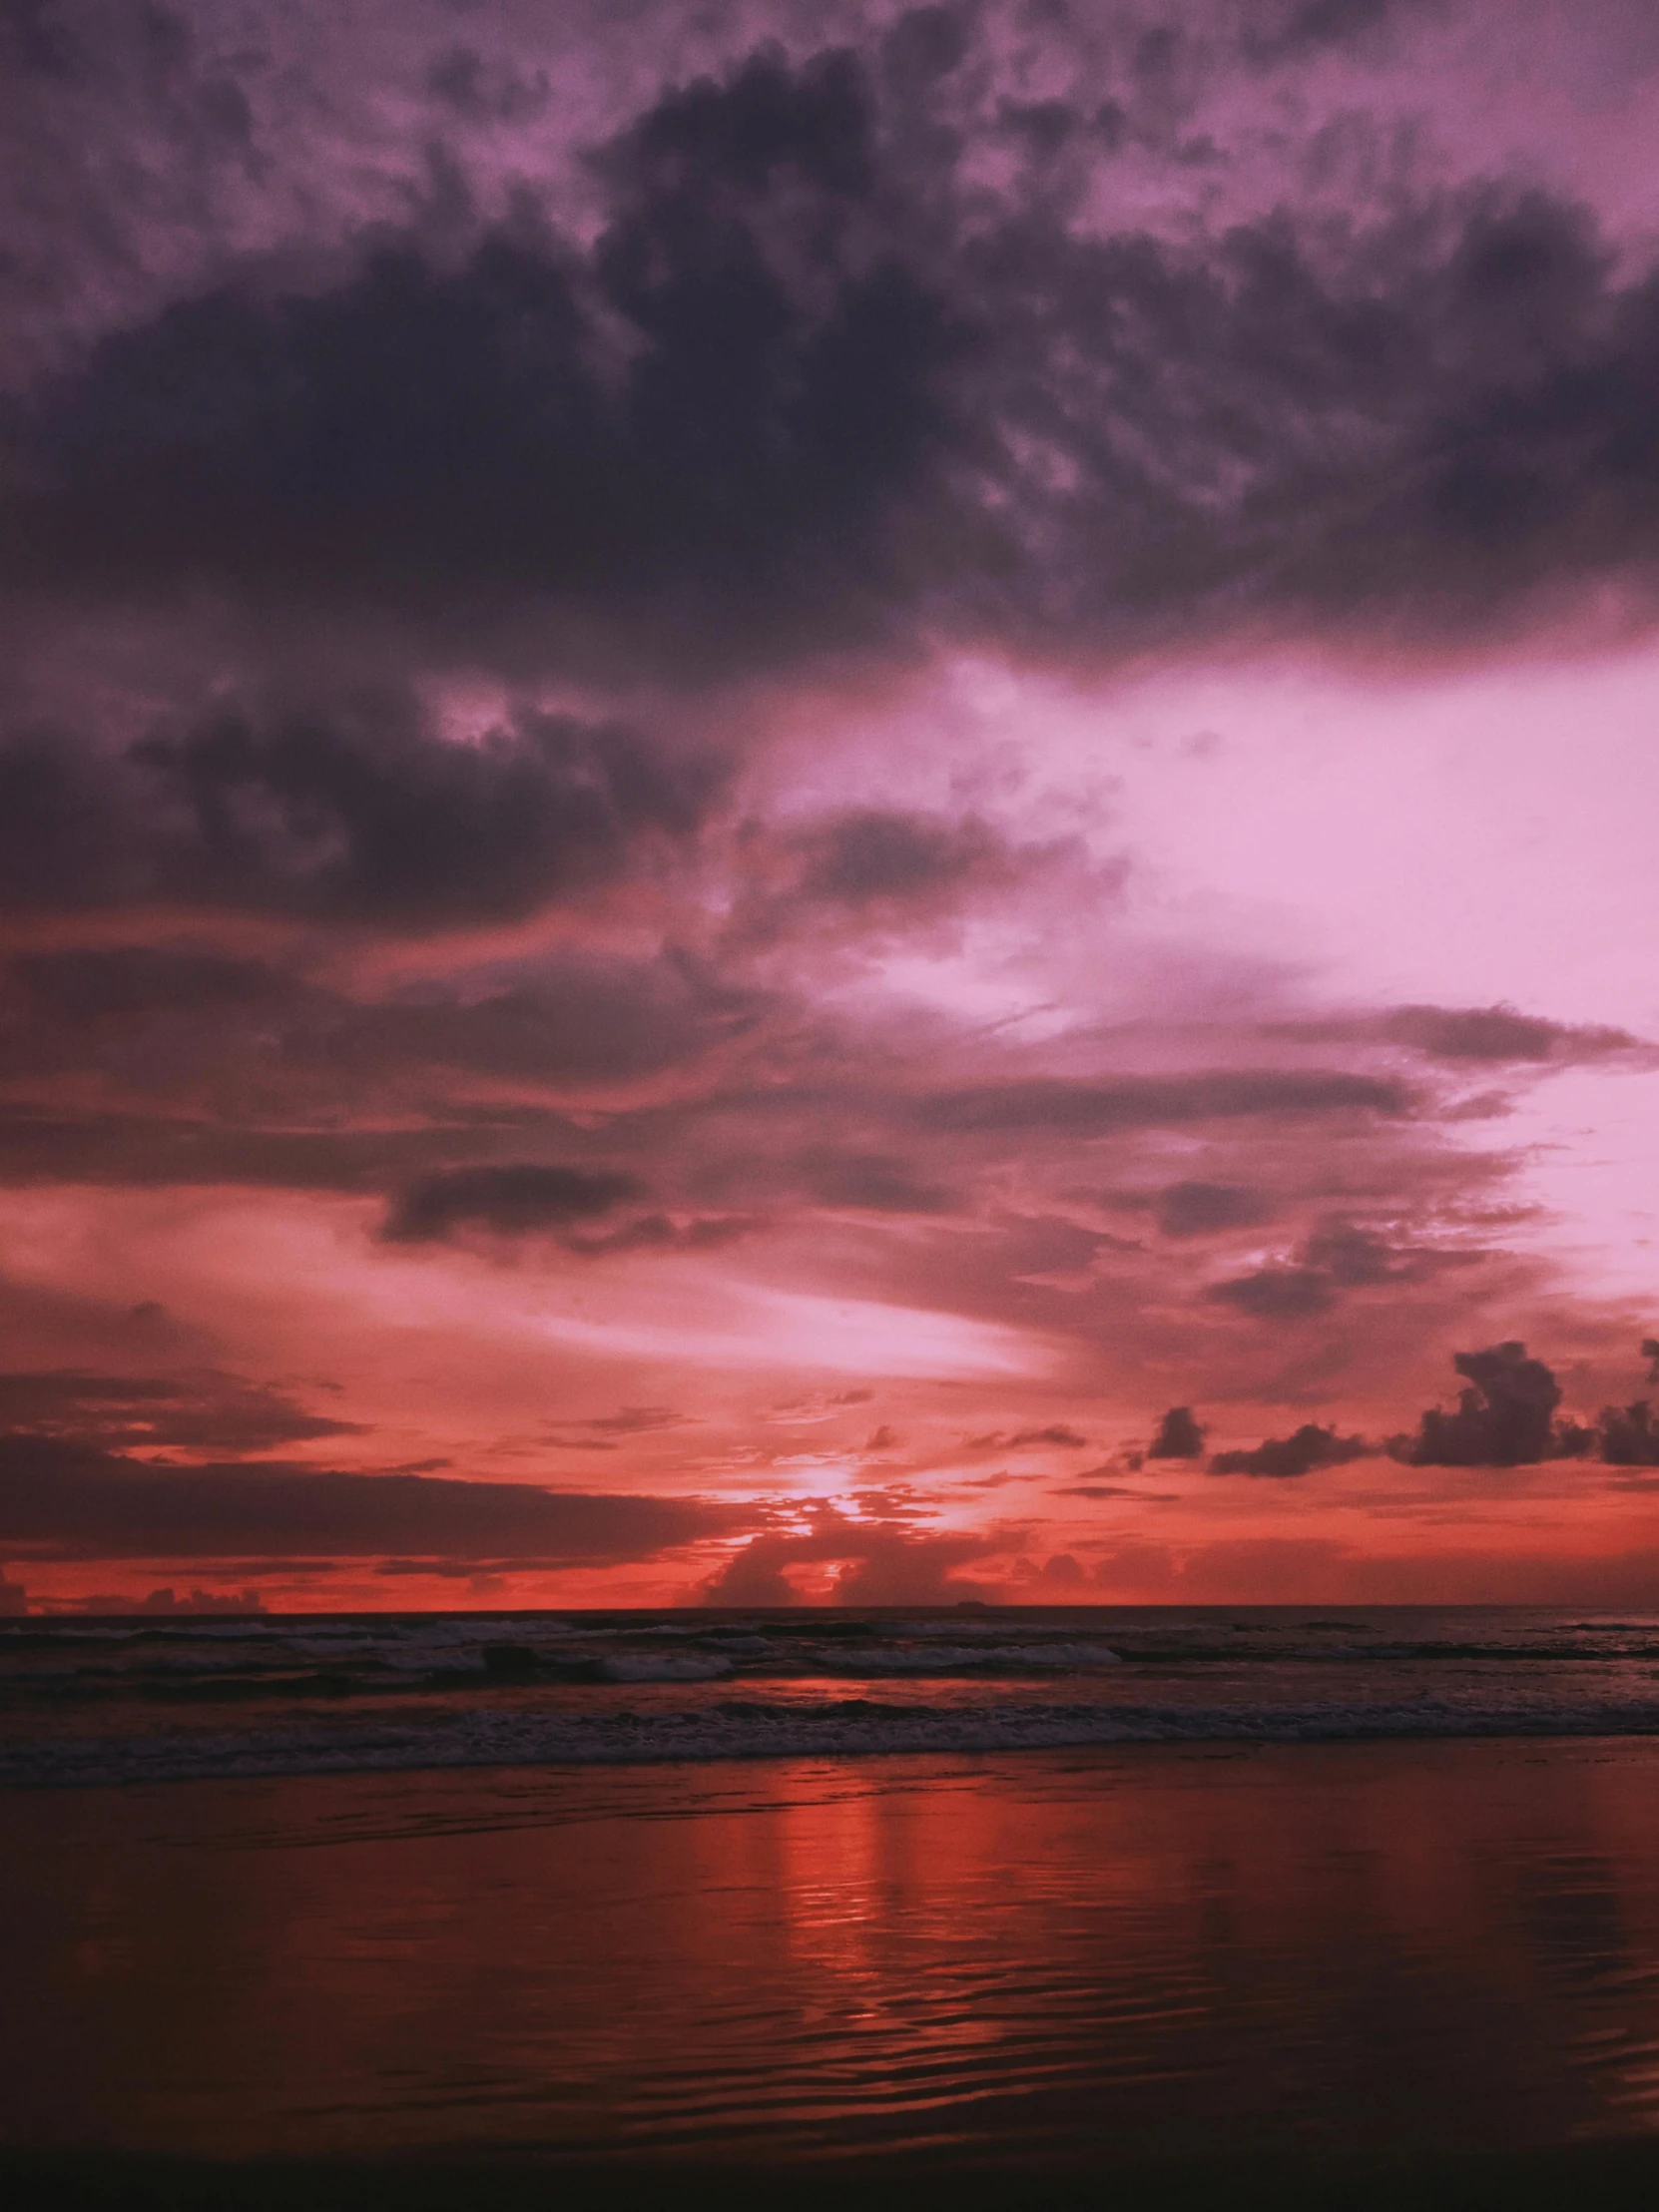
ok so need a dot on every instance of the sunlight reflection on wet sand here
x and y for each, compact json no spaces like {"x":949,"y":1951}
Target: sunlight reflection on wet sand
{"x":1446,"y":1944}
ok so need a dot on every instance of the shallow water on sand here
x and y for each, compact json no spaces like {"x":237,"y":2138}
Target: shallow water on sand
{"x":1142,"y":1950}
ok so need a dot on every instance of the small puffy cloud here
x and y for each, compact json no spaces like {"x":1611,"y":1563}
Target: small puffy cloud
{"x":1179,"y":1437}
{"x":1505,"y":1419}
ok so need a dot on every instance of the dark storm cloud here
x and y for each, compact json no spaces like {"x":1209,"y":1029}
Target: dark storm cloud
{"x":205,"y":1410}
{"x":1310,"y":1448}
{"x":813,"y":379}
{"x":1488,"y":372}
{"x":360,"y":813}
{"x":725,"y":396}
{"x":515,"y":1199}
{"x":1082,"y":1109}
{"x":67,"y":1502}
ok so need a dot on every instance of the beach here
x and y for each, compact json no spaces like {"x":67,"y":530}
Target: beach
{"x":1208,"y":1966}
{"x":828,"y":1193}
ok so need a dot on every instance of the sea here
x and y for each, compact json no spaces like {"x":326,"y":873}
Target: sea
{"x":85,"y":1702}
{"x":934,"y":1892}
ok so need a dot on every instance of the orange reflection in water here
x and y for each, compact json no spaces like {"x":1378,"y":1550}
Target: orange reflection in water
{"x":1451,"y":1944}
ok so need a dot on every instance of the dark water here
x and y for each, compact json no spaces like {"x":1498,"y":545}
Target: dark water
{"x":1135,"y":1950}
{"x":96,"y":1702}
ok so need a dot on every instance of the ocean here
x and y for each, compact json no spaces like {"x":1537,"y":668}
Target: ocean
{"x":1018,"y":1892}
{"x":176,"y":1699}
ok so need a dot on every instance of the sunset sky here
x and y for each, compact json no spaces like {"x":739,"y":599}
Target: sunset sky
{"x":762,"y":768}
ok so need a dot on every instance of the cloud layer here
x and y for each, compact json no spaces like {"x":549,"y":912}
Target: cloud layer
{"x":583,"y":603}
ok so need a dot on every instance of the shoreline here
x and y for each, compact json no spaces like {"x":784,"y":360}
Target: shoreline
{"x":919,"y":1742}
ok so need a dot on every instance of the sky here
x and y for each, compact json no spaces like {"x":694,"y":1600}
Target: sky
{"x":828,"y":804}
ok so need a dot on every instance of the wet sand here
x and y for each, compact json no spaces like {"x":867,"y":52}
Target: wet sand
{"x":1382,"y":1972}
